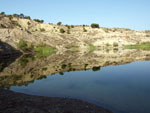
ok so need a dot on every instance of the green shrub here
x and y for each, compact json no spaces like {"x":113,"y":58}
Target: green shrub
{"x":21,"y":15}
{"x":62,"y":30}
{"x":67,"y":26}
{"x":10,"y":17}
{"x":92,"y":48}
{"x":44,"y":50}
{"x":29,"y":23}
{"x":84,"y":30}
{"x":15,"y":15}
{"x":68,"y":31}
{"x":142,"y":46}
{"x":72,"y":26}
{"x":115,"y":44}
{"x":42,"y":29}
{"x":22,"y":45}
{"x":27,"y":17}
{"x":2,"y":13}
{"x":94,"y":25}
{"x":39,"y":21}
{"x":30,"y":46}
{"x":59,"y":23}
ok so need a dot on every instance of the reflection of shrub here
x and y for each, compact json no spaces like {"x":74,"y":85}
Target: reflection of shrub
{"x":44,"y":69}
{"x":85,"y":66}
{"x":1,"y":67}
{"x":107,"y":44}
{"x":42,"y":77}
{"x":115,"y":50}
{"x":115,"y":44}
{"x":62,"y":30}
{"x":23,"y":61}
{"x":96,"y":68}
{"x":63,"y":66}
{"x":95,"y":25}
{"x":61,"y":73}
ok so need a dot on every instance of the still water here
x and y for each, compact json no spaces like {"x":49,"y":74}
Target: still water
{"x":123,"y":86}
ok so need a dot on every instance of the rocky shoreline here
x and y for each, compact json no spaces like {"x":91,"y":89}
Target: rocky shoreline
{"x":12,"y":102}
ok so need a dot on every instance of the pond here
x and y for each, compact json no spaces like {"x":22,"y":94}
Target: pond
{"x":117,"y":81}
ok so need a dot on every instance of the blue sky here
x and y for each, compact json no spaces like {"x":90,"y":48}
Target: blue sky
{"x":134,"y":14}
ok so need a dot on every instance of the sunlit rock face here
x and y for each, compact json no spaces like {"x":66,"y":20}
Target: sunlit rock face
{"x":28,"y":68}
{"x":18,"y":28}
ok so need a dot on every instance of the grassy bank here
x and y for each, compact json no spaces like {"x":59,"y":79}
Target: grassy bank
{"x":92,"y":48}
{"x":143,"y":46}
{"x":73,"y":49}
{"x":44,"y":51}
{"x":41,"y":50}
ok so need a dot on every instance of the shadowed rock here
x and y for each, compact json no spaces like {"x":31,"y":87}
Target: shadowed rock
{"x":11,"y":102}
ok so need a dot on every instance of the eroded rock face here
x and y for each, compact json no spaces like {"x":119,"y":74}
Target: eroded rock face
{"x":15,"y":29}
{"x":26,"y":69}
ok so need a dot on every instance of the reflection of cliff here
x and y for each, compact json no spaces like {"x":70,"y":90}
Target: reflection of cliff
{"x":7,"y":52}
{"x":28,"y":68}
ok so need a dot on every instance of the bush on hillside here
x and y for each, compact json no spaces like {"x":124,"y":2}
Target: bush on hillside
{"x":39,"y":21}
{"x":72,"y":26}
{"x":21,"y":15}
{"x":84,"y":30}
{"x":29,"y":23}
{"x":27,"y":17}
{"x":95,"y":25}
{"x":42,"y":29}
{"x":10,"y":17}
{"x":68,"y":31}
{"x":22,"y":45}
{"x":67,"y":26}
{"x":59,"y":23}
{"x":62,"y":30}
{"x":2,"y":13}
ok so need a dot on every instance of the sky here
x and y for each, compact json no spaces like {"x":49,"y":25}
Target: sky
{"x":133,"y":14}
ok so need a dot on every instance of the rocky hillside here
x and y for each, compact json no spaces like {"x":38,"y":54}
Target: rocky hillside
{"x":13,"y":28}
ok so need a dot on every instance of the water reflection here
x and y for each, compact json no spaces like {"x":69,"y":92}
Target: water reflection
{"x":28,"y":68}
{"x":94,"y":77}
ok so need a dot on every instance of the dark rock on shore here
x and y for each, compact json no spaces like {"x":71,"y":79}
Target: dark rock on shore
{"x":12,"y":102}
